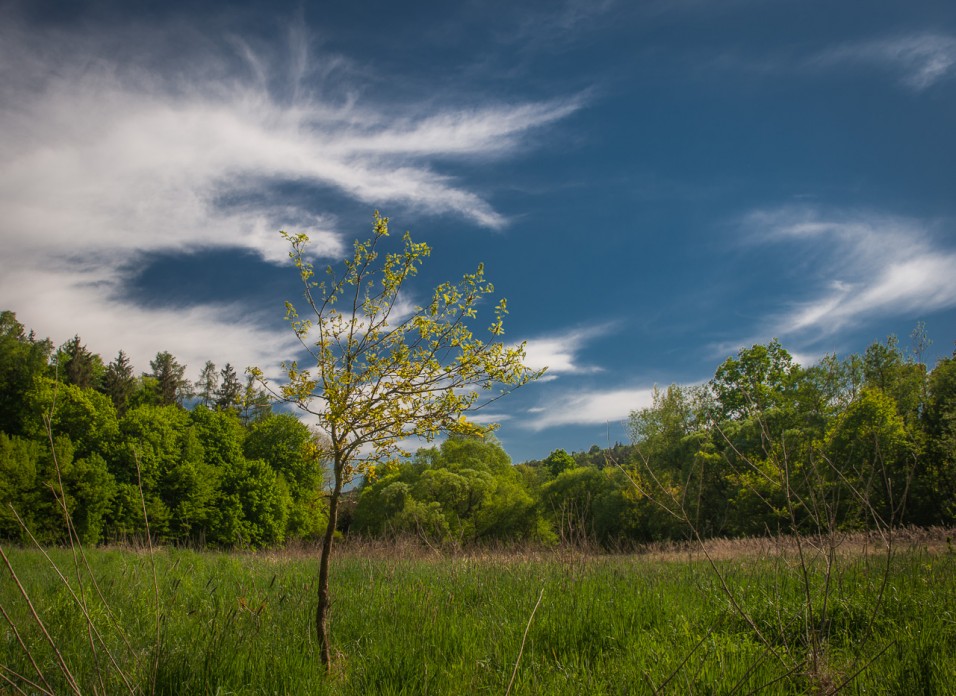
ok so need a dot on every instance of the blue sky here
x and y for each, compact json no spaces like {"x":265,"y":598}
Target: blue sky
{"x":651,"y":185}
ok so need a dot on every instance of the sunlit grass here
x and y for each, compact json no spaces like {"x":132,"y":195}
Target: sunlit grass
{"x":406,"y":622}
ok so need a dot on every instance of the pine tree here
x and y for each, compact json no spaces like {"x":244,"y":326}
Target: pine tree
{"x":208,"y":384}
{"x":119,"y":382}
{"x":229,"y":394}
{"x":172,"y":385}
{"x":79,"y":365}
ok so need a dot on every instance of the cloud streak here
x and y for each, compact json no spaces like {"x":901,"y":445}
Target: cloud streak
{"x":105,"y":159}
{"x":867,"y":265}
{"x":589,"y":407}
{"x":920,"y":60}
{"x":559,"y":354}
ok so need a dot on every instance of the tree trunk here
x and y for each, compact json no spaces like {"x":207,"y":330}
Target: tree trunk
{"x":322,"y":610}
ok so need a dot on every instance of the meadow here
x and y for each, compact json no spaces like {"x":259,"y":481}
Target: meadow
{"x":411,"y":620}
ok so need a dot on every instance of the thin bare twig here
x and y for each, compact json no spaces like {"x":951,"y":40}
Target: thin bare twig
{"x":527,"y":628}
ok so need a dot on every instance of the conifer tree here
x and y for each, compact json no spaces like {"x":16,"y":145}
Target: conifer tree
{"x":229,"y":394}
{"x":172,"y":385}
{"x":208,"y":384}
{"x":119,"y":382}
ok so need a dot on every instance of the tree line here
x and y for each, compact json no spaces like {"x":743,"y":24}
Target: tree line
{"x":766,"y":446}
{"x":210,"y":463}
{"x":870,"y":439}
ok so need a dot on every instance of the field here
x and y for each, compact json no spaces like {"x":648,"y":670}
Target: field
{"x":407,"y":620}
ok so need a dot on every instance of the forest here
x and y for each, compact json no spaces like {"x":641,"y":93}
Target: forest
{"x":864,"y":441}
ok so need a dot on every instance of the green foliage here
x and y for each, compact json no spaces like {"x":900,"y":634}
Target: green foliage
{"x":284,"y":443}
{"x":757,"y":381}
{"x":222,"y":435}
{"x":86,"y":416}
{"x":170,"y":384}
{"x":559,"y":461}
{"x":79,"y":366}
{"x":208,"y":384}
{"x":23,"y":359}
{"x":20,"y":469}
{"x":465,"y":490}
{"x":229,"y":392}
{"x":90,"y":490}
{"x":36,"y":487}
{"x":934,"y":489}
{"x":119,"y":384}
{"x":150,"y":446}
{"x":570,"y":498}
{"x":861,"y":439}
{"x":773,"y":445}
{"x":256,"y":403}
{"x":379,"y":379}
{"x":254,"y":505}
{"x":132,"y":444}
{"x":190,"y":491}
{"x":250,"y":491}
{"x":659,"y":431}
{"x":887,"y":369}
{"x":871,"y":450}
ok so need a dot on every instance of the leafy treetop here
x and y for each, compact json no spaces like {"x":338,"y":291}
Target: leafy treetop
{"x":381,"y":374}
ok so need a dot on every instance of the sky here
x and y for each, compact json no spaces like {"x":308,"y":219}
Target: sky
{"x":652,"y":185}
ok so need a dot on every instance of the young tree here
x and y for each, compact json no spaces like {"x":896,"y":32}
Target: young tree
{"x":382,"y":374}
{"x":256,"y":403}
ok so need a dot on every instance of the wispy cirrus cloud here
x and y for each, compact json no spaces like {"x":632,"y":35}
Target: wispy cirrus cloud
{"x":920,"y":60}
{"x":588,"y":407}
{"x":112,"y":147}
{"x":559,"y":353}
{"x":862,"y":265}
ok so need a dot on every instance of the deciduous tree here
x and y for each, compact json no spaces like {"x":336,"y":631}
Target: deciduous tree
{"x":22,"y":358}
{"x":384,"y":372}
{"x":256,"y":402}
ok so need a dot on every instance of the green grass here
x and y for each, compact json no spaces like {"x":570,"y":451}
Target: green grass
{"x":243,"y":624}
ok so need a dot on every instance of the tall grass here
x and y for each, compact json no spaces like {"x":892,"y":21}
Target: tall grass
{"x":412,"y":622}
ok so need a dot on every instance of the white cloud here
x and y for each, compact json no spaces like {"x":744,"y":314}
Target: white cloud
{"x":920,"y":60}
{"x":864,"y":265}
{"x":483,"y":418}
{"x":560,"y":353}
{"x":57,"y":303}
{"x":805,"y":359}
{"x":112,"y":147}
{"x":590,"y":407}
